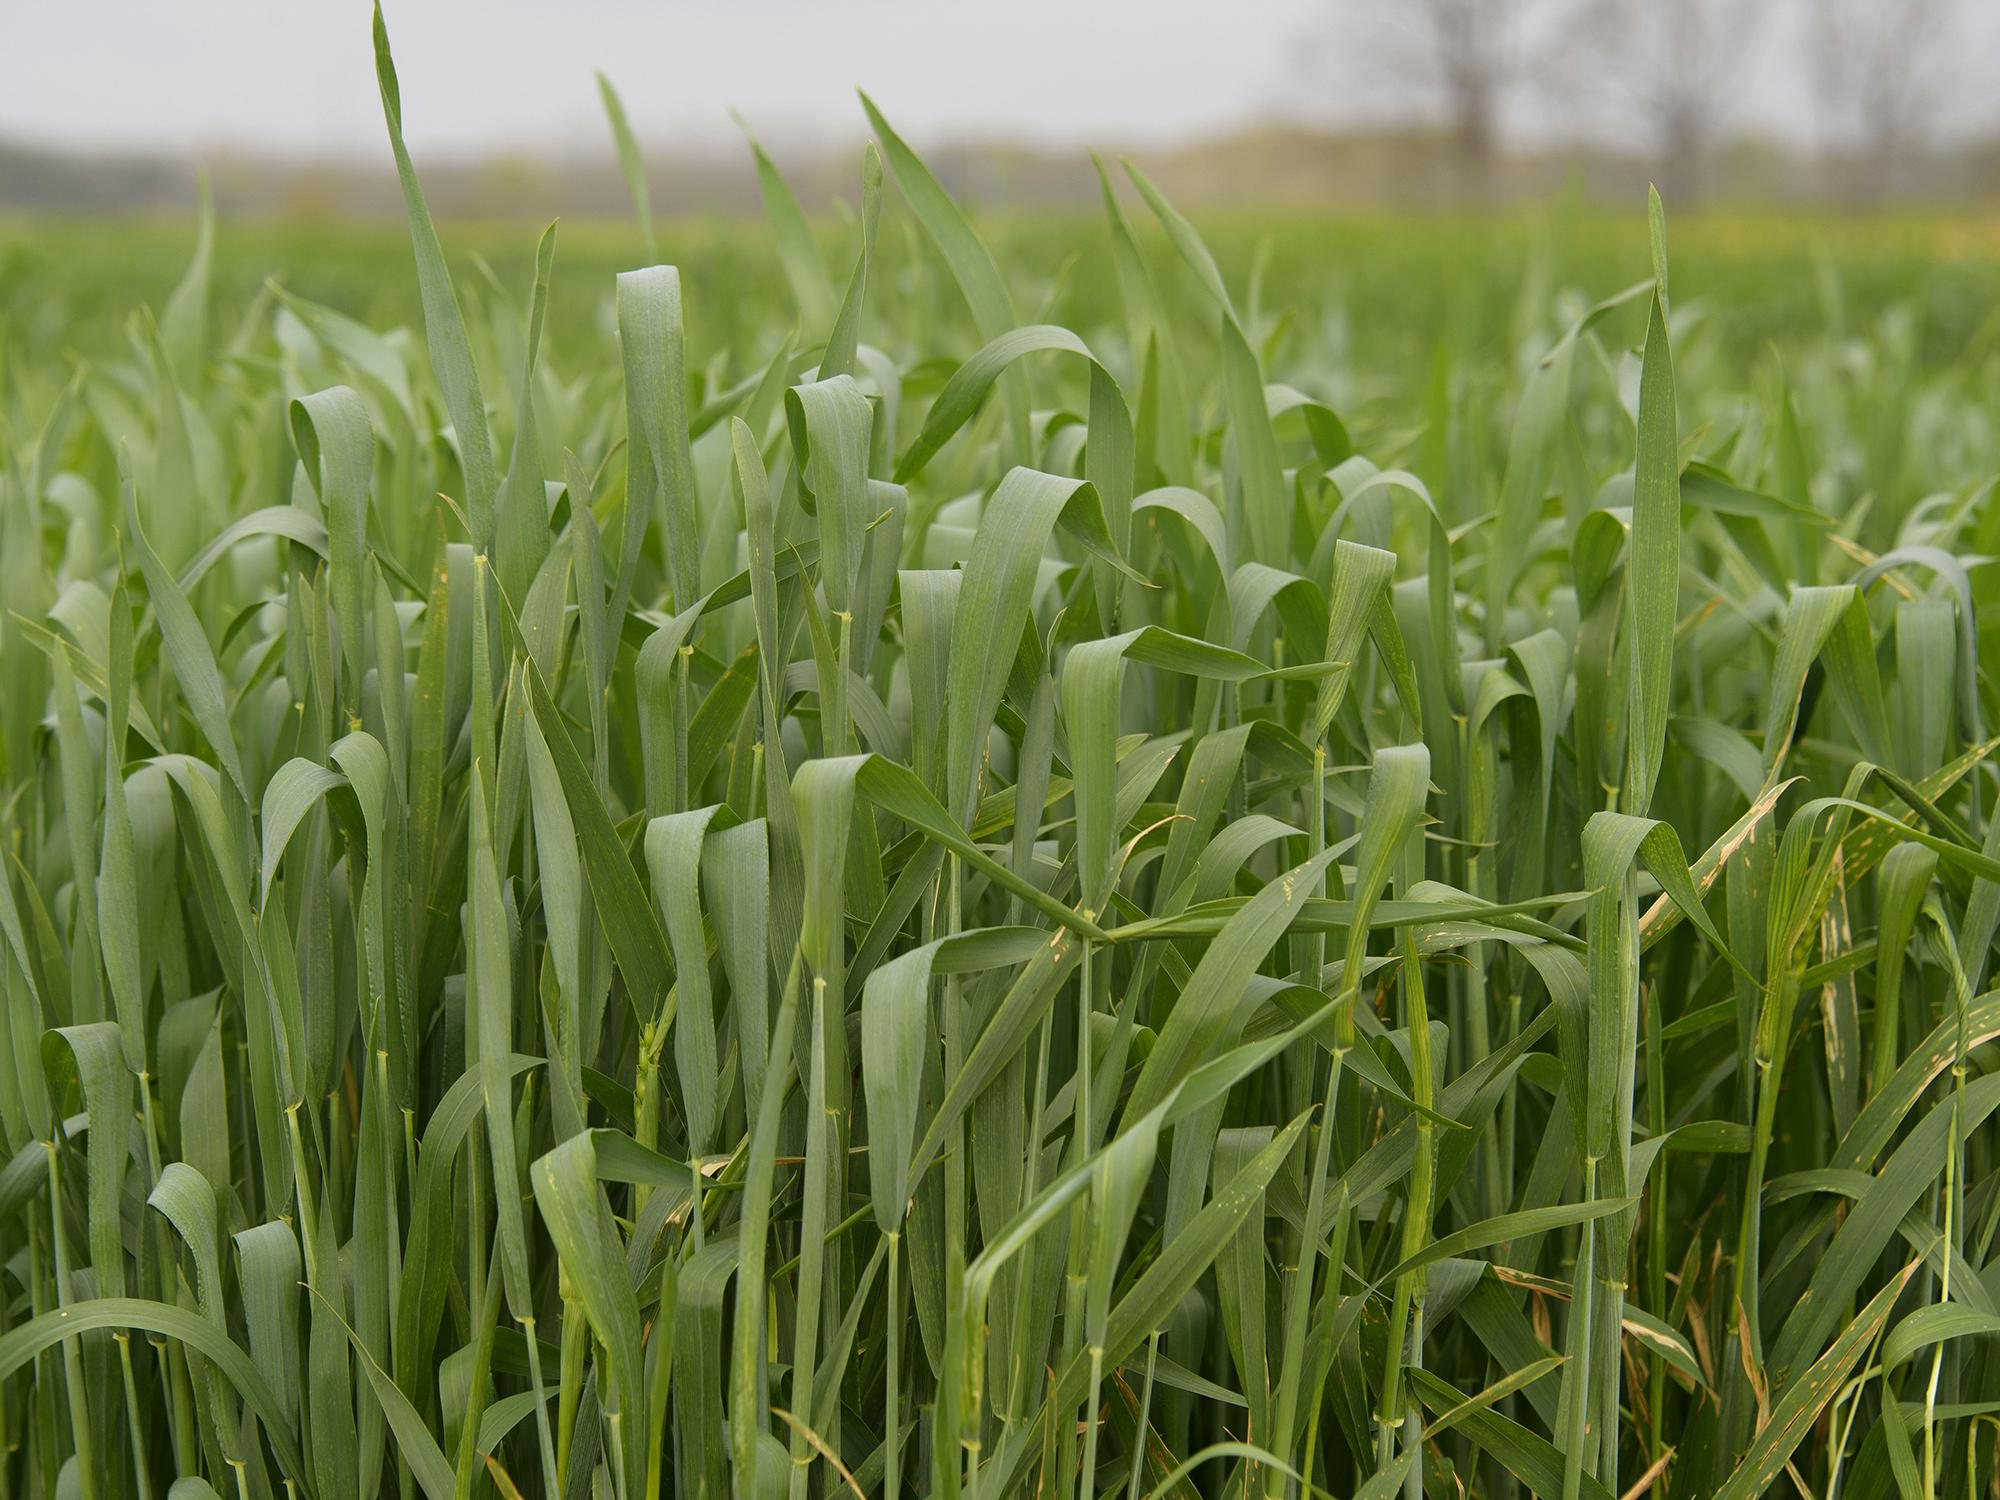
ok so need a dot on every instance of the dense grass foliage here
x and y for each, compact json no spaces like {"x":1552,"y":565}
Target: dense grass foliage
{"x":986,"y":881}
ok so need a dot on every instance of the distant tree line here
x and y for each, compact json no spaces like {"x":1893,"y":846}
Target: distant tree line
{"x":1879,"y":72}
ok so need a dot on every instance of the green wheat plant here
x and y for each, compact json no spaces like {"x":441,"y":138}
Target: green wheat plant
{"x":974,"y":892}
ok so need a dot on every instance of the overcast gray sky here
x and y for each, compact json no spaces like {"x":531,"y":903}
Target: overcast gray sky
{"x":482,"y":75}
{"x":479,"y":76}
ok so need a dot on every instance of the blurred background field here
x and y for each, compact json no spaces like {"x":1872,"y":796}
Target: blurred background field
{"x":1406,"y":187}
{"x":1890,"y":318}
{"x":1394,"y":282}
{"x":1412,"y":207}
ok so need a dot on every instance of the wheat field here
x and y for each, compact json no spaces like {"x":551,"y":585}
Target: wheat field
{"x":899,"y":880}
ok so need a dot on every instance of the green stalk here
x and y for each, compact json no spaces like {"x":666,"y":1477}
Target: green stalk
{"x":1017,"y":1383}
{"x":1417,"y":1210}
{"x":308,"y":1214}
{"x":1413,"y":1483}
{"x":476,"y":1215}
{"x":575,"y":1345}
{"x":1768,"y":1060}
{"x":1312,"y":943}
{"x":649,"y":1082}
{"x":182,"y":1429}
{"x":1610,"y":1367}
{"x":546,"y":1439}
{"x":134,"y":1417}
{"x":1086,"y":1479}
{"x":812,"y":1238}
{"x":747,"y":1405}
{"x":840,"y":727}
{"x":948,"y":1446}
{"x":185,"y":1422}
{"x":1575,"y":1413}
{"x":1298,"y":1295}
{"x":892,"y":1421}
{"x":683,"y":662}
{"x":79,"y":1405}
{"x":1471,"y":1033}
{"x":1073,"y":1313}
{"x":1075,"y":1289}
{"x":658,"y":1376}
{"x":482,"y":1370}
{"x":1656,"y":1233}
{"x":1145,"y":1416}
{"x":1953,"y":1230}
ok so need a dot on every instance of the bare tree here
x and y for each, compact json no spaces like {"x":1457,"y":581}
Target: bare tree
{"x":1470,"y":43}
{"x":1878,"y":69}
{"x":1673,"y":66}
{"x":1469,"y":55}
